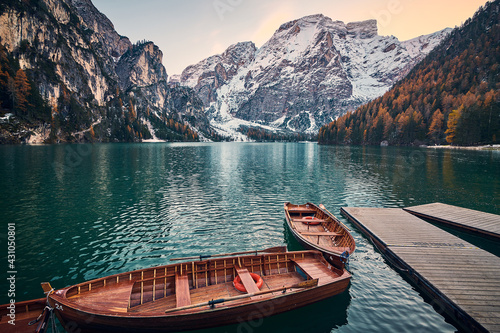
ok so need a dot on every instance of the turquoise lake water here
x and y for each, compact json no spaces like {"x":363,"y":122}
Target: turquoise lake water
{"x":87,"y":211}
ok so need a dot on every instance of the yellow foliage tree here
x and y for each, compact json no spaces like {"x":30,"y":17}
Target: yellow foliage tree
{"x":452,"y":124}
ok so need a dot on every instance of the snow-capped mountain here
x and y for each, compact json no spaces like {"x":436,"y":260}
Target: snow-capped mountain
{"x":311,"y":70}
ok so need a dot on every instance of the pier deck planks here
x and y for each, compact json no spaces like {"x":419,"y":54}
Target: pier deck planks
{"x":458,"y":217}
{"x":462,"y":278}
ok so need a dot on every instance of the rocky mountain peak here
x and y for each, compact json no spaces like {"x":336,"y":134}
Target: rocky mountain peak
{"x":212,"y":73}
{"x":98,"y":23}
{"x":310,"y":71}
{"x":239,"y":53}
{"x":363,"y":29}
{"x":141,"y":66}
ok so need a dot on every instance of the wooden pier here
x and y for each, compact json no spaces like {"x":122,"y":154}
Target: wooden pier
{"x":480,"y":223}
{"x":462,"y":280}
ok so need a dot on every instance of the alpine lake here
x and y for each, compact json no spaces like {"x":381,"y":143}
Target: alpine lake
{"x":85,"y":211}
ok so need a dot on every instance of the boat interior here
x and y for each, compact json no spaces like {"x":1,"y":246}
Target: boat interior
{"x":169,"y":288}
{"x":23,"y":313}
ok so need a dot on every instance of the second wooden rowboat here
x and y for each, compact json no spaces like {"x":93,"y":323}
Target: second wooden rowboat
{"x":316,"y":228}
{"x":24,"y":317}
{"x":199,"y":294}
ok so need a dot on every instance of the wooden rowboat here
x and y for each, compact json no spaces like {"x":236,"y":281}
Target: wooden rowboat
{"x":316,"y":228}
{"x":16,"y":317}
{"x":198,"y":294}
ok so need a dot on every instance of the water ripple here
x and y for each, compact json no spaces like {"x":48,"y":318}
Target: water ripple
{"x":132,"y":206}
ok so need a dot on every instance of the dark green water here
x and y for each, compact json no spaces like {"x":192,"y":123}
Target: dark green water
{"x":86,"y":211}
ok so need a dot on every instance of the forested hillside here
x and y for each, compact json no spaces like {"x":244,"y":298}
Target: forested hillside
{"x":451,"y":96}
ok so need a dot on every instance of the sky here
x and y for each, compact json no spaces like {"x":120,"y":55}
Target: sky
{"x":188,"y":31}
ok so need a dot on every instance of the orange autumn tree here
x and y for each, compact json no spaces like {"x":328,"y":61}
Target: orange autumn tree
{"x":436,"y":130}
{"x":22,"y":91}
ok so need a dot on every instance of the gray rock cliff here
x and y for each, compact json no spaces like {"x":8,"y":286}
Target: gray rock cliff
{"x":98,"y":85}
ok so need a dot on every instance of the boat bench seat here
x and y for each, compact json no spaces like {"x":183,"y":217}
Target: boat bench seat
{"x":247,"y":280}
{"x":182,"y":295}
{"x":314,"y":269}
{"x":320,"y":233}
{"x":303,"y":220}
{"x":301,"y":210}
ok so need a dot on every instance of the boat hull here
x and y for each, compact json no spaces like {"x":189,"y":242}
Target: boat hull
{"x":332,"y":257}
{"x":87,"y":322}
{"x":176,"y":297}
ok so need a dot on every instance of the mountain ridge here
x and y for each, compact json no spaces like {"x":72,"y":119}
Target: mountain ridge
{"x":452,"y":96}
{"x":90,"y":84}
{"x":310,"y":71}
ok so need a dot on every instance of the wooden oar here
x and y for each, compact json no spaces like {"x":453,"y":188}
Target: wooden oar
{"x":303,"y":284}
{"x":269,"y":250}
{"x":324,"y":208}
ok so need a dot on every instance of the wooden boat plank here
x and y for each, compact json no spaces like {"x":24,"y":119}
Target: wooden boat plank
{"x":310,"y":221}
{"x":158,"y":306}
{"x":182,"y":294}
{"x":339,"y":249}
{"x":114,"y":298}
{"x":320,"y":233}
{"x":301,"y":210}
{"x":222,"y":290}
{"x":198,"y":296}
{"x":247,"y":280}
{"x":275,"y":281}
{"x":315,"y":270}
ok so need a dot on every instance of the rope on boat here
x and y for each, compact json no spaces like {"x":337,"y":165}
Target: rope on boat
{"x":52,"y":316}
{"x":53,"y":321}
{"x":47,"y":307}
{"x":34,"y":321}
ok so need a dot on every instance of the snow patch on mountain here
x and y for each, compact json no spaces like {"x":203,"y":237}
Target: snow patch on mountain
{"x":308,"y":73}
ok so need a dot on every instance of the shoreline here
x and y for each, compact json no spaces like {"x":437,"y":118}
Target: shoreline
{"x":484,"y":147}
